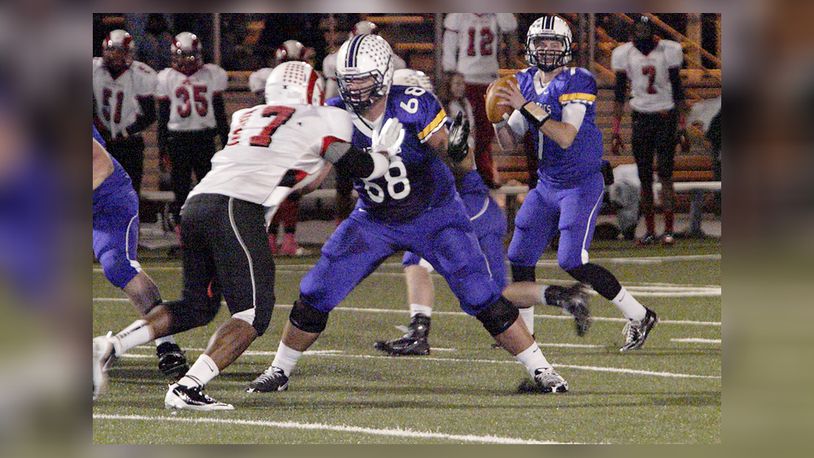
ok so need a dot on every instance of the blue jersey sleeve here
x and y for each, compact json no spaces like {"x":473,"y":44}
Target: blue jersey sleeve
{"x":421,"y":109}
{"x":335,"y":102}
{"x":581,"y":88}
{"x":98,"y":137}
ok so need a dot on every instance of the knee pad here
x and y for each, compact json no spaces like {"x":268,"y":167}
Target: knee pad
{"x":306,"y":318}
{"x":600,"y":279}
{"x":118,"y":269}
{"x":186,"y":316}
{"x":499,"y":316}
{"x":523,"y":273}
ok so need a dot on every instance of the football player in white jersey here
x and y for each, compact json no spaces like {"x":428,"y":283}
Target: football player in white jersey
{"x":273,"y":149}
{"x":652,"y":67}
{"x":191,"y":113}
{"x":288,"y":51}
{"x":471,"y":48}
{"x":289,"y":212}
{"x":123,"y":104}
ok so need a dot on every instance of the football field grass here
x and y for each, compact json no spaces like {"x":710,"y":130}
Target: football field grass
{"x":464,"y":391}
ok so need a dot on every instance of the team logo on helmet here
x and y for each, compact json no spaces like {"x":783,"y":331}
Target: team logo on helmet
{"x":540,"y":51}
{"x":364,"y":70}
{"x":187,"y":56}
{"x":117,"y":51}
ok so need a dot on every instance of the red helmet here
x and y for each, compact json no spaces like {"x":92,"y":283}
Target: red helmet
{"x":290,"y":50}
{"x":187,"y":56}
{"x":117,"y":50}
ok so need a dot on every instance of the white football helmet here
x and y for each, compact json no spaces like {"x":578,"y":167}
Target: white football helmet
{"x":289,"y":50}
{"x":548,"y":28}
{"x":117,"y":50}
{"x":364,"y":70}
{"x":187,"y":53}
{"x":410,"y":77}
{"x":294,"y":82}
{"x":363,"y":27}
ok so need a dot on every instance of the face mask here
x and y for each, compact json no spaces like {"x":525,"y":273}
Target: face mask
{"x":645,"y":45}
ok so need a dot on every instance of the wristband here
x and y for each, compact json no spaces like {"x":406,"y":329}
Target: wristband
{"x":534,"y":113}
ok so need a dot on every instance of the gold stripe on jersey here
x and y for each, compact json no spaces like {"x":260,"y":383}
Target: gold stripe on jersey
{"x":433,"y":125}
{"x":577,"y":96}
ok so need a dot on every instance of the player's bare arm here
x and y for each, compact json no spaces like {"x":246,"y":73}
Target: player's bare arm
{"x":102,"y":165}
{"x":561,"y":132}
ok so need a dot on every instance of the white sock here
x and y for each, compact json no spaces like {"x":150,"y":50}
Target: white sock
{"x":527,"y":315}
{"x":138,"y":333}
{"x":422,"y":309}
{"x":629,"y":306}
{"x":162,"y":340}
{"x":200,"y":373}
{"x":286,"y":358}
{"x":533,"y":359}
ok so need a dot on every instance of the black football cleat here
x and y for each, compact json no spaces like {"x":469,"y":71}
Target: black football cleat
{"x":171,"y":360}
{"x":413,"y":343}
{"x":272,"y":379}
{"x":194,"y":398}
{"x":636,"y":332}
{"x":574,"y":300}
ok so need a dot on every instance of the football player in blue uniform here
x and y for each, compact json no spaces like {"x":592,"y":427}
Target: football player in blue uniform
{"x":489,"y":224}
{"x":115,"y":241}
{"x":556,"y":104}
{"x":413,"y":207}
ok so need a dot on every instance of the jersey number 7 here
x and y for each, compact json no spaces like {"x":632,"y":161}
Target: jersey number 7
{"x":281,"y":116}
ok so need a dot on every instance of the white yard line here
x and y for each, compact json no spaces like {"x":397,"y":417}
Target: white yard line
{"x":388,"y":432}
{"x":340,"y":354}
{"x":697,"y":340}
{"x":444,"y":313}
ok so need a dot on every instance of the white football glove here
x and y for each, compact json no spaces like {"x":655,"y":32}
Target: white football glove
{"x":388,"y":139}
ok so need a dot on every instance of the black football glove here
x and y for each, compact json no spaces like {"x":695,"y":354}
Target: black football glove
{"x":457,"y":145}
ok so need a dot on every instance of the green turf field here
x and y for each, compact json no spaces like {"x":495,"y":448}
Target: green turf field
{"x":464,"y":392}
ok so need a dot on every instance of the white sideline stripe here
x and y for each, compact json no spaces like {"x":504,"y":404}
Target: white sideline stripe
{"x":339,"y":354}
{"x":337,"y":428}
{"x":697,"y":340}
{"x":644,"y":290}
{"x":438,"y":312}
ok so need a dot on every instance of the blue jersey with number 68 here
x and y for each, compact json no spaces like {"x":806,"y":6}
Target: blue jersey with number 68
{"x":421,"y":180}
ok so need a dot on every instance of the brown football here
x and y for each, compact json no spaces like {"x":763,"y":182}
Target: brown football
{"x":494,"y":111}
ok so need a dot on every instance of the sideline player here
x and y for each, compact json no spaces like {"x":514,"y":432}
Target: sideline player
{"x":489,"y":224}
{"x":556,"y":104}
{"x":413,"y":207}
{"x":123,"y":102}
{"x":652,"y":67}
{"x":273,"y":149}
{"x":191,"y":112}
{"x":115,"y":241}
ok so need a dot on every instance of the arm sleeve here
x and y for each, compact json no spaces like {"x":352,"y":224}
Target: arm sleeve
{"x":675,"y":83}
{"x":618,"y":59}
{"x":221,"y":80}
{"x":257,"y":83}
{"x":147,"y":116}
{"x":574,"y":114}
{"x":430,"y":117}
{"x":450,"y":49}
{"x":581,"y":88}
{"x":163,"y":119}
{"x":222,"y":123}
{"x":161,"y":91}
{"x":620,"y":88}
{"x":674,"y":55}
